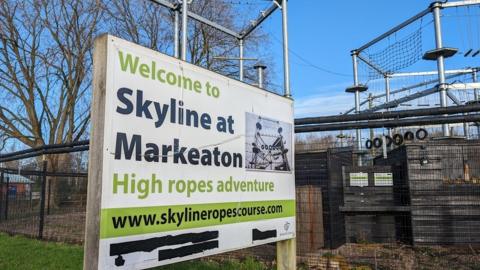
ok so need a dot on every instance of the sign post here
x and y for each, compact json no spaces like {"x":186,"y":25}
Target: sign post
{"x":184,"y":162}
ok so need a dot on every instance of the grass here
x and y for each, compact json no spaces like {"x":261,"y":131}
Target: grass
{"x":19,"y":253}
{"x":248,"y":264}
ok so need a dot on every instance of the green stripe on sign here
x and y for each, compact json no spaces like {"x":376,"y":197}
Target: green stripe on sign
{"x":117,"y":222}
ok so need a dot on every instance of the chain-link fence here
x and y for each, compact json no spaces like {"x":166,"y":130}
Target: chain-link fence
{"x":416,"y":208}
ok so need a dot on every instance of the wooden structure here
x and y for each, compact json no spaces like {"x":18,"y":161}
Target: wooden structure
{"x":443,"y":181}
{"x":309,"y":219}
{"x":372,"y":213}
{"x":323,"y":169}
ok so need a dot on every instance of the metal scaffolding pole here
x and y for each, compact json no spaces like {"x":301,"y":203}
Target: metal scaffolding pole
{"x":395,"y":29}
{"x":184,"y":29}
{"x":373,"y":66}
{"x":357,"y":101}
{"x":476,"y":96}
{"x":466,"y":132}
{"x":421,"y":73}
{"x":262,"y":17}
{"x":459,"y":3}
{"x":240,"y":59}
{"x":396,"y":102}
{"x":175,"y":34}
{"x":286,"y":255}
{"x":475,"y":90}
{"x":286,"y":65}
{"x":387,"y":89}
{"x":182,"y":52}
{"x":372,"y":133}
{"x":403,"y":89}
{"x":386,"y":115}
{"x":440,"y":62}
{"x":387,"y":98}
{"x":419,"y":121}
{"x":199,"y":18}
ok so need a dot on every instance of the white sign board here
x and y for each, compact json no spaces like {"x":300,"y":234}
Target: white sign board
{"x":190,"y":163}
{"x":358,"y":179}
{"x":383,"y":179}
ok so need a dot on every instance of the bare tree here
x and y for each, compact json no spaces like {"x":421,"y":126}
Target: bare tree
{"x":206,"y":43}
{"x":151,"y":25}
{"x":45,"y":55}
{"x":45,"y":59}
{"x":141,"y":22}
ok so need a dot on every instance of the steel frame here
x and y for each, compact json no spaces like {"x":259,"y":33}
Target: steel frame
{"x":240,"y":36}
{"x":387,"y":115}
{"x":442,"y":88}
{"x":390,"y":123}
{"x":403,"y":89}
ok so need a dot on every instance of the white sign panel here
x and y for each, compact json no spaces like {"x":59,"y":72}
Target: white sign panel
{"x":193,"y":163}
{"x":358,"y":179}
{"x":383,"y":179}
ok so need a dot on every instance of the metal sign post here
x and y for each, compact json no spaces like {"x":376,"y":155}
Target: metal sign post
{"x":184,"y":29}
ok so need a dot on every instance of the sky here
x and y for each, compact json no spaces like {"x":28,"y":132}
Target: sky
{"x":324,"y":33}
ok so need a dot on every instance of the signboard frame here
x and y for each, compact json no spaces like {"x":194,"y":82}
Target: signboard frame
{"x":97,"y":147}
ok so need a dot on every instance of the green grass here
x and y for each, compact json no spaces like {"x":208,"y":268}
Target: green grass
{"x":20,"y":253}
{"x":248,"y":264}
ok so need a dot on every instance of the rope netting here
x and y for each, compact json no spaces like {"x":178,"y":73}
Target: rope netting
{"x":396,"y":56}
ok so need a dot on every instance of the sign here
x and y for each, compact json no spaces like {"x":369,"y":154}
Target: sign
{"x":383,"y":179}
{"x":358,"y":179}
{"x":184,"y":162}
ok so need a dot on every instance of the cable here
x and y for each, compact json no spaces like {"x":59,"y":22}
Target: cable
{"x":311,"y":64}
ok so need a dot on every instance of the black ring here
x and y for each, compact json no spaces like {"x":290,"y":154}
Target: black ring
{"x":397,"y":139}
{"x":409,"y":136}
{"x":368,"y":144}
{"x":377,"y":142}
{"x":420,"y":131}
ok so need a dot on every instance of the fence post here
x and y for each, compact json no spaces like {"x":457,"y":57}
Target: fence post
{"x":48,"y":196}
{"x":6,"y":198}
{"x":42,"y":199}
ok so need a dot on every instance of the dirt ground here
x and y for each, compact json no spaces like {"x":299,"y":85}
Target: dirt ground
{"x":374,"y":257}
{"x":394,"y":256}
{"x":64,"y":227}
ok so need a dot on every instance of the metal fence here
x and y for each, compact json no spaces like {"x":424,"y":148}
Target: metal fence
{"x":427,"y":217}
{"x":42,"y":204}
